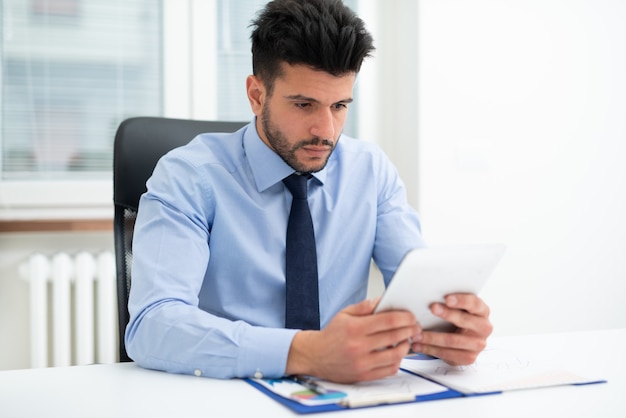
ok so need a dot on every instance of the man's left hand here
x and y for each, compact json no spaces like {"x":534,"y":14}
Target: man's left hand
{"x":470,"y":315}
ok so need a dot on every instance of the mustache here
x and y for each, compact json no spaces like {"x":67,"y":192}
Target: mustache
{"x":316,"y":141}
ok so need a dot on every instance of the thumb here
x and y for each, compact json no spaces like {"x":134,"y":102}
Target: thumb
{"x":365,"y":307}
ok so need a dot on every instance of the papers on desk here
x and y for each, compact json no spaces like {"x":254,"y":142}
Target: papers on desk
{"x":403,"y":387}
{"x":495,"y":370}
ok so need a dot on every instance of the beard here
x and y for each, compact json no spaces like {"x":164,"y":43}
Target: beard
{"x":287,"y":151}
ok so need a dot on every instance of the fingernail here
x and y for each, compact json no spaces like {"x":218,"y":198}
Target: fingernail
{"x":437,"y":309}
{"x":451,"y":300}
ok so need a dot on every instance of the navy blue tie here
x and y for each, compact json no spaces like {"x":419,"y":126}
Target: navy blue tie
{"x":302,"y":296}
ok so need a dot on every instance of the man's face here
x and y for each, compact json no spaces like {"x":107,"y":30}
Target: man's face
{"x":303,"y":118}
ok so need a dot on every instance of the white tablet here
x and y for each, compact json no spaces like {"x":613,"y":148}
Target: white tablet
{"x":427,"y":275}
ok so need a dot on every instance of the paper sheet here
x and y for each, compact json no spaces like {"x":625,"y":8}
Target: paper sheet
{"x":495,"y":370}
{"x":401,"y":387}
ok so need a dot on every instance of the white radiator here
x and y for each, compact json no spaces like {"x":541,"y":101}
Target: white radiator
{"x":73,"y":308}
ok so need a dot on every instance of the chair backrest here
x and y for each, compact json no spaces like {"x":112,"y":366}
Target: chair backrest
{"x":139,"y":143}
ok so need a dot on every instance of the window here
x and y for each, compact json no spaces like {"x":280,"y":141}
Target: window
{"x":72,"y":70}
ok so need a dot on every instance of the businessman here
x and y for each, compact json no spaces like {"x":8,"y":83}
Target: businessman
{"x":252,"y":249}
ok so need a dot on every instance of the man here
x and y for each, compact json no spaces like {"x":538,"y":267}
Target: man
{"x":208,"y":294}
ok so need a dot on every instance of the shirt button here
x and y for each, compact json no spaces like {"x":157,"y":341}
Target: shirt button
{"x":258,"y":374}
{"x":197,"y":372}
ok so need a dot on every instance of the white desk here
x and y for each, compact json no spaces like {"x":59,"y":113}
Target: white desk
{"x":125,"y":390}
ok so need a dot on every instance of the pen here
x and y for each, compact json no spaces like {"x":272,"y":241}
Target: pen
{"x":310,"y":383}
{"x":381,"y":399}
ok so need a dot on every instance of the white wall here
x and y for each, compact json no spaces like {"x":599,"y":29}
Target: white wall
{"x":522,"y":137}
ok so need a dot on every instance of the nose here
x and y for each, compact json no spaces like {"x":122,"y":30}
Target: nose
{"x":324,"y":125}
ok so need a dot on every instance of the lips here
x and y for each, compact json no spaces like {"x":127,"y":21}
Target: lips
{"x":317,"y":152}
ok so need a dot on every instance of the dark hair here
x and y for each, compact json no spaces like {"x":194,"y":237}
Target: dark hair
{"x":322,"y":34}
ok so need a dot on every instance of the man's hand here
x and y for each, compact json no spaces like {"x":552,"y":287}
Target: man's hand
{"x":355,"y":346}
{"x":471,"y":317}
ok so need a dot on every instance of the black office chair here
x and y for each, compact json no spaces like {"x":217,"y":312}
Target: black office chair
{"x":139,"y":143}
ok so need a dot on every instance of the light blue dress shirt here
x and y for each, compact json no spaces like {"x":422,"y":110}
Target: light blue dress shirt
{"x":208,"y":286}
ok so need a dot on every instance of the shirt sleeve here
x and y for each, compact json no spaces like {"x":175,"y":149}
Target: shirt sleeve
{"x":167,"y":330}
{"x":398,"y":226}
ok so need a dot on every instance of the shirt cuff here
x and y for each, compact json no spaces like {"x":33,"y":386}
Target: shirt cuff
{"x":264,"y":352}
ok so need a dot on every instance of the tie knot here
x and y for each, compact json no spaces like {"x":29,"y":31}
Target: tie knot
{"x":297,"y":184}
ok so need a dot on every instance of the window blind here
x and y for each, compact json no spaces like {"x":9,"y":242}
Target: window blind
{"x":71,"y":71}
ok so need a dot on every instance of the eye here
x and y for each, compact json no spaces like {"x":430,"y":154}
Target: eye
{"x":302,"y":105}
{"x":340,"y":106}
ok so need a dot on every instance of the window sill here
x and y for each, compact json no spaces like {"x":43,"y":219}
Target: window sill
{"x":56,"y":206}
{"x":57,"y":225}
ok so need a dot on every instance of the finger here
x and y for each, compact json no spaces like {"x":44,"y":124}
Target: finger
{"x":453,"y":348}
{"x":390,"y":357}
{"x":376,"y":365}
{"x":374,"y":374}
{"x":451,"y":340}
{"x":459,"y":318}
{"x":468,"y":302}
{"x":391,"y":320}
{"x":451,"y":356}
{"x":463,"y":319}
{"x":392,"y":338}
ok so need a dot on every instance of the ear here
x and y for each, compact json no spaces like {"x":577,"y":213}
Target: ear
{"x":256,"y":94}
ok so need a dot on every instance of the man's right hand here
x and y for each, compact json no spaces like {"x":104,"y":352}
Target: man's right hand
{"x":355,"y":346}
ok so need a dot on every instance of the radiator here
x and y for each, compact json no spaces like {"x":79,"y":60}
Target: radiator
{"x":73,"y":308}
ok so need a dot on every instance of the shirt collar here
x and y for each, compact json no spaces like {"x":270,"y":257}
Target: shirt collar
{"x":267,"y":166}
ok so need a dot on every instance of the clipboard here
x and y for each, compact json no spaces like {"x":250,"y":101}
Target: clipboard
{"x":447,"y":393}
{"x":372,"y":401}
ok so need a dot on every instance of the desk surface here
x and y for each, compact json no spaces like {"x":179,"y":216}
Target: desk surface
{"x":126,"y":390}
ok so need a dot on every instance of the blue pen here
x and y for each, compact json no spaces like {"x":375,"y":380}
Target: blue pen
{"x":310,"y":383}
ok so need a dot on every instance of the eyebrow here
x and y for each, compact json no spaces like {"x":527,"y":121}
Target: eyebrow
{"x":310,"y":99}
